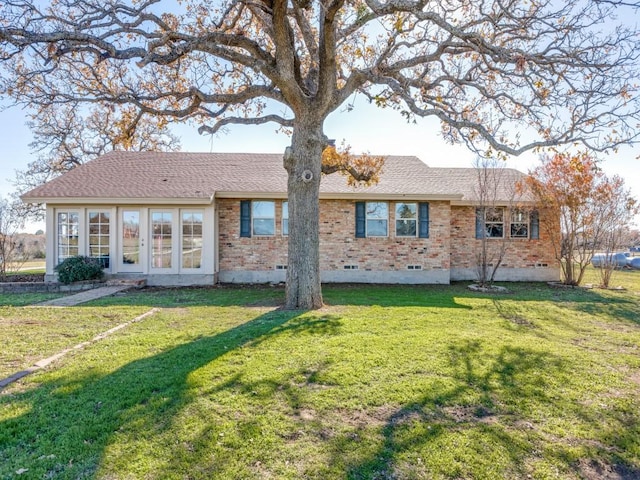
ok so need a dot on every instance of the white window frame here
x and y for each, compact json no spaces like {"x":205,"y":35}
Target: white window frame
{"x":524,"y":220}
{"x":377,"y":219}
{"x":152,"y":239}
{"x":400,"y":219}
{"x":78,"y":248}
{"x":100,"y":235}
{"x":254,"y":217}
{"x":191,"y":211}
{"x":488,"y":224}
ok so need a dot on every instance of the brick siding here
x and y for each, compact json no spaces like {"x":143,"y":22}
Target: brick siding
{"x":520,"y":253}
{"x":451,"y":243}
{"x":338,"y":245}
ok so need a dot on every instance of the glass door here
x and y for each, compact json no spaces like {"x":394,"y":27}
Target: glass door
{"x":132,"y":241}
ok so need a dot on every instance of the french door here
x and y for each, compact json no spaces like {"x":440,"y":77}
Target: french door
{"x":132,"y":242}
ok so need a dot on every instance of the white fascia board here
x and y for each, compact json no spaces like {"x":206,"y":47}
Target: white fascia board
{"x":497,"y":203}
{"x":119,"y":201}
{"x":343,"y":196}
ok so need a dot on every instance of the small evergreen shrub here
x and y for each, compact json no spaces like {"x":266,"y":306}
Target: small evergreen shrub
{"x":76,"y":269}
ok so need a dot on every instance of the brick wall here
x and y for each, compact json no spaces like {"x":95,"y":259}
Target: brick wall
{"x":451,"y":246}
{"x":520,"y":253}
{"x":338,"y":245}
{"x":254,"y":253}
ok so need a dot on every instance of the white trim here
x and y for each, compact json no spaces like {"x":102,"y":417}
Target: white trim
{"x":50,"y":259}
{"x":202,"y":267}
{"x":81,"y":247}
{"x":254,"y":217}
{"x":147,"y":202}
{"x":355,"y":196}
{"x":366,"y":220}
{"x":455,"y":199}
{"x":87,"y":239}
{"x":395,"y":219}
{"x":141,"y":266}
{"x":175,"y":260}
{"x":497,"y":203}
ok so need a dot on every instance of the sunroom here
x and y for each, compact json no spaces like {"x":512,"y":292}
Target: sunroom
{"x":165,"y":244}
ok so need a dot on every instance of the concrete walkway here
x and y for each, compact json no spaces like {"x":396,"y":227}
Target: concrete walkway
{"x":47,"y":361}
{"x":84,"y":296}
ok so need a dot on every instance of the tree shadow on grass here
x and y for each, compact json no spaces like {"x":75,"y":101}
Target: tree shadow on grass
{"x":482,"y":426}
{"x":61,"y":428}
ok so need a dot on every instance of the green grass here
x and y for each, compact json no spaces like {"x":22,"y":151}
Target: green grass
{"x":385,"y":382}
{"x":32,"y":334}
{"x":25,"y":299}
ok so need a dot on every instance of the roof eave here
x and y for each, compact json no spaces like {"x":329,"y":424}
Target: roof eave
{"x":498,"y":203}
{"x":119,"y":201}
{"x":343,"y":196}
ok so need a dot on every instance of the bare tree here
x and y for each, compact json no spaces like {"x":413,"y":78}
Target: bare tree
{"x":12,"y":256}
{"x":68,"y":134}
{"x":496,"y":196}
{"x":615,"y":209}
{"x":562,"y":70}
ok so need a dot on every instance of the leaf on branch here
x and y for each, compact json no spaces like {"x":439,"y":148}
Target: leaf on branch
{"x":362,"y":169}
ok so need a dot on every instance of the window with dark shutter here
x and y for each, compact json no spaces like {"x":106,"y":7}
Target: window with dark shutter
{"x":361,"y":219}
{"x":245,"y":218}
{"x":535,"y":225}
{"x":423,"y":219}
{"x":479,"y":222}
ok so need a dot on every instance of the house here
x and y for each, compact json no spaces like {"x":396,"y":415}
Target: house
{"x":198,"y":218}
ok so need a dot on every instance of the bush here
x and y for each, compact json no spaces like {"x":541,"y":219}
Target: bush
{"x":76,"y":269}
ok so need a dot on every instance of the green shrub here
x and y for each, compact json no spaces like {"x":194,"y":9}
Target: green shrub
{"x":76,"y":269}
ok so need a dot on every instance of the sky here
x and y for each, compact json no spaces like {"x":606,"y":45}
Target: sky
{"x":366,"y":128}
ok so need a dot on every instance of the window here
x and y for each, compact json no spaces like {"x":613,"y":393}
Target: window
{"x":412,"y":219}
{"x":99,"y":237}
{"x":161,"y":223}
{"x":406,"y":219}
{"x":131,"y":237}
{"x":519,"y":224}
{"x":285,"y":218}
{"x":263,"y":217}
{"x":377,"y":219}
{"x":67,"y":235}
{"x":192,"y":239}
{"x":494,"y":222}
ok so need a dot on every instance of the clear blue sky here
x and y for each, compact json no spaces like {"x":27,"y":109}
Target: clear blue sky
{"x":366,"y":129}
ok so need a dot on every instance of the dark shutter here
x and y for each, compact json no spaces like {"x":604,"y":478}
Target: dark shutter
{"x":479,"y":222}
{"x":535,"y":225}
{"x":423,"y":219}
{"x":361,"y":229}
{"x":245,"y":218}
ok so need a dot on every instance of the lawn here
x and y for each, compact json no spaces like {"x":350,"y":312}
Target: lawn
{"x":384,"y":382}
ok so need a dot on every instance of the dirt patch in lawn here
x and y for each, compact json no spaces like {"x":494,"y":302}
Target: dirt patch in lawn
{"x":591,"y":469}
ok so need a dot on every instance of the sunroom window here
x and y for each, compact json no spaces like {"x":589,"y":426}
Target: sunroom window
{"x":192,"y":239}
{"x":68,"y":224}
{"x":99,"y":237}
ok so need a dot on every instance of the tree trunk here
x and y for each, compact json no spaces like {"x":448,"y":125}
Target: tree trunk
{"x":303,"y":162}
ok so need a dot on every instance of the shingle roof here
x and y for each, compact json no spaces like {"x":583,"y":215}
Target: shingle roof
{"x":121,"y":176}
